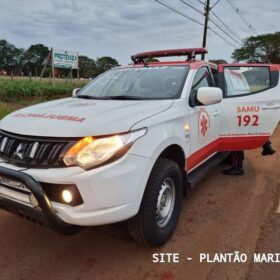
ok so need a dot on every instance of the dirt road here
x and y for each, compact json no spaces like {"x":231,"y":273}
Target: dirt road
{"x":222,"y":215}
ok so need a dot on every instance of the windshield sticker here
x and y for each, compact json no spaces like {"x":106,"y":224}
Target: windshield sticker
{"x":51,"y":116}
{"x":82,"y":104}
{"x":77,"y":103}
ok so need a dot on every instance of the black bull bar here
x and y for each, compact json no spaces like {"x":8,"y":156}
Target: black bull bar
{"x":46,"y":214}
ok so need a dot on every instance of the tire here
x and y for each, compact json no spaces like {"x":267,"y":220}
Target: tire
{"x":156,"y":222}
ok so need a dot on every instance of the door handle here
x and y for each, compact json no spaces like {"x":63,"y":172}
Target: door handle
{"x":271,"y":107}
{"x":217,"y":113}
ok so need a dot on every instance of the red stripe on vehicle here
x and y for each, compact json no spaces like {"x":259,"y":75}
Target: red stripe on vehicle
{"x":225,"y":144}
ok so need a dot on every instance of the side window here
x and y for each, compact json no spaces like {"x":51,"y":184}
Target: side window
{"x":215,"y":77}
{"x":246,"y":80}
{"x":202,"y":78}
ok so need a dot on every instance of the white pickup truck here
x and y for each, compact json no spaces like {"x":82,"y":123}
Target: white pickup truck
{"x":131,"y":143}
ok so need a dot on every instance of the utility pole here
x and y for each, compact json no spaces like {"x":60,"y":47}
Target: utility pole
{"x":206,"y":14}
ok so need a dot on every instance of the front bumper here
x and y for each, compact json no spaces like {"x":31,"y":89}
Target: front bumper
{"x":44,"y":213}
{"x":110,"y":194}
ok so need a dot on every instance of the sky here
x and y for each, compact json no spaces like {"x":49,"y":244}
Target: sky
{"x":119,"y":28}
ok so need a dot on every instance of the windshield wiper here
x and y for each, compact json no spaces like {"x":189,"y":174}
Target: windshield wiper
{"x":89,"y":97}
{"x":116,"y":97}
{"x":125,"y":97}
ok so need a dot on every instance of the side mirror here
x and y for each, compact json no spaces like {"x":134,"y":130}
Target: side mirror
{"x":75,"y":91}
{"x":209,"y":95}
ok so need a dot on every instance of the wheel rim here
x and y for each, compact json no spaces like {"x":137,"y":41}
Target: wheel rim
{"x":165,"y":203}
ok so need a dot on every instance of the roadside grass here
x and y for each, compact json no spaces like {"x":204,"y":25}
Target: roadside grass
{"x":22,"y":91}
{"x":5,"y":111}
{"x":7,"y":108}
{"x":43,"y":80}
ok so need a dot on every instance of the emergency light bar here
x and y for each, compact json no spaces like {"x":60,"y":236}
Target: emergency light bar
{"x":190,"y":53}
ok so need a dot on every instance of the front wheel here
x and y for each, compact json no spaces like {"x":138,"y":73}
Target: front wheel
{"x":160,"y":208}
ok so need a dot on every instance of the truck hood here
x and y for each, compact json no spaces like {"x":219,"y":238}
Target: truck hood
{"x":73,"y":117}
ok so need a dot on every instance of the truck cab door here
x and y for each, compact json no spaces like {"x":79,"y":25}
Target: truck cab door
{"x":205,"y":121}
{"x":251,"y":105}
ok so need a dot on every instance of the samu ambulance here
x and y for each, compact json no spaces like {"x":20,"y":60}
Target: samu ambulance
{"x":130,"y":144}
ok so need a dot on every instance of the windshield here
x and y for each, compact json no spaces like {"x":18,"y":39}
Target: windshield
{"x":164,"y":82}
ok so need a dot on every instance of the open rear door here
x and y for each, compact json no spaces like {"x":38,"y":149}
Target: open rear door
{"x":251,"y":105}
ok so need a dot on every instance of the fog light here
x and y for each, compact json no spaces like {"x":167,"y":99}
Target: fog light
{"x":67,"y":196}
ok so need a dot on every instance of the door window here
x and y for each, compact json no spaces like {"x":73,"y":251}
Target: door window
{"x":241,"y":80}
{"x":202,"y":78}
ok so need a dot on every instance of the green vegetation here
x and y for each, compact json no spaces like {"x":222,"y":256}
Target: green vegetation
{"x":4,"y":111}
{"x":31,"y":62}
{"x":24,"y":91}
{"x":263,"y":48}
{"x":18,"y":93}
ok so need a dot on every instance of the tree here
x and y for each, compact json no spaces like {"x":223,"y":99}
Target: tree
{"x":262,"y":48}
{"x":34,"y":58}
{"x":87,"y":67}
{"x":218,"y":61}
{"x":105,"y":63}
{"x":11,"y":58}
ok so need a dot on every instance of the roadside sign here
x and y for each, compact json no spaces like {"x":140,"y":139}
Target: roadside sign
{"x":65,"y":59}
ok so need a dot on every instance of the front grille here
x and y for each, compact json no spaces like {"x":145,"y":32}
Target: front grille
{"x":33,"y":151}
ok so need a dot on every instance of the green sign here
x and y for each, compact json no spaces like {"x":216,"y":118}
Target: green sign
{"x":65,"y":59}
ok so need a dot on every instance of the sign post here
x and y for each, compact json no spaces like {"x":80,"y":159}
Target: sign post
{"x":52,"y":68}
{"x":78,"y":69}
{"x":45,"y":63}
{"x":62,"y":59}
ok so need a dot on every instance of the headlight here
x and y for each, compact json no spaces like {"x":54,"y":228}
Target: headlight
{"x":90,"y":152}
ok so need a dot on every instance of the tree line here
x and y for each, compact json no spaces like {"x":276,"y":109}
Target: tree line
{"x":19,"y":61}
{"x":263,"y":48}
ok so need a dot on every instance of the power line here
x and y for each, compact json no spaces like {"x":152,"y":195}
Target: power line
{"x":178,"y":12}
{"x":231,"y":36}
{"x":240,"y":14}
{"x":192,"y":7}
{"x":237,"y":10}
{"x":226,"y":26}
{"x":222,"y":37}
{"x":217,"y":2}
{"x":226,"y":33}
{"x":197,"y":22}
{"x":199,"y":1}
